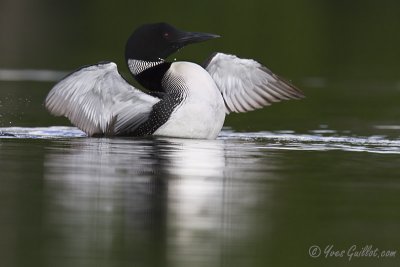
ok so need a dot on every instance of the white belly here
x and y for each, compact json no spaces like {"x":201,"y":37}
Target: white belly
{"x":202,"y":113}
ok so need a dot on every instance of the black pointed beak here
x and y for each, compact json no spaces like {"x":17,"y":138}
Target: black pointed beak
{"x":195,"y":37}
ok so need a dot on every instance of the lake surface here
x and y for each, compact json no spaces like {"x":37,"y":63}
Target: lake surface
{"x":245,"y":199}
{"x":314,"y":182}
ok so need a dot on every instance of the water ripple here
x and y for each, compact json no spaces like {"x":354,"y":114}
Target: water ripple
{"x":315,"y":140}
{"x":41,"y":132}
{"x":321,"y":141}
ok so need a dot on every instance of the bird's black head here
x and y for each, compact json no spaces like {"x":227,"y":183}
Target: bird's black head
{"x":152,"y":42}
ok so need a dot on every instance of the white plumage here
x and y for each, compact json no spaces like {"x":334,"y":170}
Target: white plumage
{"x":99,"y":101}
{"x":202,"y":113}
{"x":247,"y":85}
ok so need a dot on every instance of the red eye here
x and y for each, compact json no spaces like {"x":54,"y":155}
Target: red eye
{"x":166,"y":34}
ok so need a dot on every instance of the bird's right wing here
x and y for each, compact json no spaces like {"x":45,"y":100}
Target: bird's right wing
{"x":98,"y":100}
{"x":247,"y":85}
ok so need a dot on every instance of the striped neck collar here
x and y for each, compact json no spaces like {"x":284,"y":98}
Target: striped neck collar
{"x":137,"y":66}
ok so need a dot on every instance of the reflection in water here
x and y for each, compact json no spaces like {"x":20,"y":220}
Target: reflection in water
{"x":236,"y":201}
{"x":152,"y":201}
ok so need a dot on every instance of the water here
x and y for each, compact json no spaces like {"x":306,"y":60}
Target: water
{"x":245,"y":199}
{"x":323,"y":171}
{"x":315,"y":140}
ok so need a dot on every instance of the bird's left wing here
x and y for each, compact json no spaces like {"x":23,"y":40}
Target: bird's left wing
{"x":246,"y":85}
{"x":99,"y":101}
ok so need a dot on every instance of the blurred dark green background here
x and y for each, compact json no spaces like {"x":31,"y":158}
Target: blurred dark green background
{"x":343,"y":54}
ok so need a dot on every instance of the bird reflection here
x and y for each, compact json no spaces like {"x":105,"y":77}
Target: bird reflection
{"x":154,"y":201}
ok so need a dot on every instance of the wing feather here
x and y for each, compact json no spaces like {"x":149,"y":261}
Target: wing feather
{"x":98,"y":100}
{"x":247,"y":85}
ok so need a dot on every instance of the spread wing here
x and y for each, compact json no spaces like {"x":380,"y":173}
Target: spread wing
{"x":98,"y":100}
{"x":247,"y":85}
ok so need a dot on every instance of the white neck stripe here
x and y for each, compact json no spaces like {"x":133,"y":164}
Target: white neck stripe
{"x":137,"y":66}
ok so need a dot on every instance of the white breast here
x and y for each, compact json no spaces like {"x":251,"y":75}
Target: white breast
{"x":202,"y":112}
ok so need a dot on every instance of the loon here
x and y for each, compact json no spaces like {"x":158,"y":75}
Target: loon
{"x":184,"y":99}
